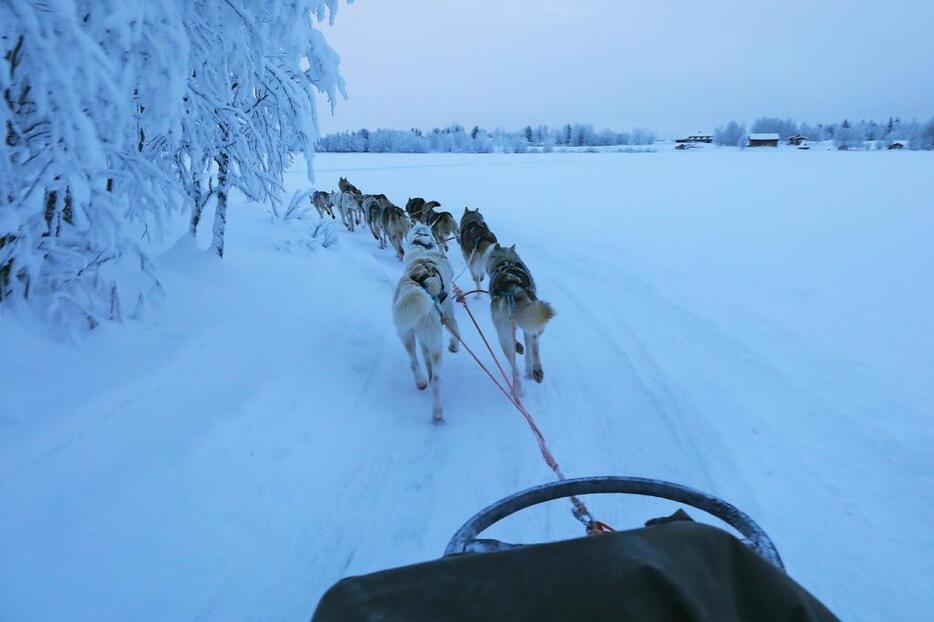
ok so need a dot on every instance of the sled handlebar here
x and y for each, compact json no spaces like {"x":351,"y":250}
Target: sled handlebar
{"x":465,"y":539}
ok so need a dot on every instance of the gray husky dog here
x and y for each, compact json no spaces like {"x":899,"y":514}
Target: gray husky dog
{"x":476,"y":242}
{"x":514,"y":302}
{"x":422,"y":302}
{"x":322,"y":202}
{"x":443,"y":226}
{"x":394,"y":224}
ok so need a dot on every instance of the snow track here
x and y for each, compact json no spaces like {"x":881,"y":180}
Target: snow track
{"x":262,"y":436}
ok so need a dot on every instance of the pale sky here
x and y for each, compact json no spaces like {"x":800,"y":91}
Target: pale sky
{"x":671,"y":66}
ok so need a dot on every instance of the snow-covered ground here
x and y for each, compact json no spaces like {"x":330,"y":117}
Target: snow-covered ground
{"x":758,"y":324}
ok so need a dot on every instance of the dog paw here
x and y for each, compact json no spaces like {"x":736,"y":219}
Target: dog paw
{"x":520,"y":349}
{"x":437,"y":417}
{"x":421,"y":385}
{"x":538,"y":374}
{"x":453,"y":346}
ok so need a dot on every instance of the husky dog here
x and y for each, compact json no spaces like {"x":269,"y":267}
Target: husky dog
{"x":383,"y":200}
{"x":349,"y":208}
{"x":346,"y":186}
{"x":476,"y":241}
{"x":414,"y":207}
{"x":443,"y":226}
{"x":423,"y":300}
{"x":428,"y":211}
{"x":513,"y":300}
{"x":394,"y":224}
{"x":373,"y":209}
{"x":322,"y":202}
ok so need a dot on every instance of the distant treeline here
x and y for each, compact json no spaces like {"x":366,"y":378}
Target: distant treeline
{"x":844,"y":134}
{"x":478,"y":140}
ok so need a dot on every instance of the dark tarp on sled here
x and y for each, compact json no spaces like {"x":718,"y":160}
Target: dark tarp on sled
{"x":680,"y":571}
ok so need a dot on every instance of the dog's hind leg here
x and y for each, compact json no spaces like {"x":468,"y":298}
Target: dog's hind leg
{"x":454,"y":344}
{"x":477,"y":275}
{"x":507,"y":340}
{"x":538,"y":373}
{"x":437,"y":413}
{"x":527,"y":338}
{"x":408,"y":340}
{"x":431,"y":342}
{"x":426,"y":356}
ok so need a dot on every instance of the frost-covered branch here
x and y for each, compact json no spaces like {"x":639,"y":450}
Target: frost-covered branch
{"x":116,"y":113}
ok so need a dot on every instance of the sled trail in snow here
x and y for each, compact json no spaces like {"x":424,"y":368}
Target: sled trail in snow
{"x":261,"y":437}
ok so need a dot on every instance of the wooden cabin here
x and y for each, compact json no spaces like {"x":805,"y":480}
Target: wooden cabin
{"x":696,"y":138}
{"x":763,"y":140}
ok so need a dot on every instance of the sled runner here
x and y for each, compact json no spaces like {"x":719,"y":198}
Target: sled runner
{"x":673,"y":569}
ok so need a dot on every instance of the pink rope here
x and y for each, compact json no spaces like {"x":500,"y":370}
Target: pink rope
{"x":581,"y":512}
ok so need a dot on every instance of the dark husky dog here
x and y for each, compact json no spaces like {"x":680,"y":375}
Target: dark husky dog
{"x":476,"y":243}
{"x":514,"y":302}
{"x":414,"y":207}
{"x":346,"y":186}
{"x":394,"y":224}
{"x":322,"y":202}
{"x":443,"y":227}
{"x":428,"y":212}
{"x":373,"y":209}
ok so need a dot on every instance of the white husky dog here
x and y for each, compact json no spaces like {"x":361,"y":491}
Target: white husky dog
{"x":423,"y":296}
{"x":349,"y":207}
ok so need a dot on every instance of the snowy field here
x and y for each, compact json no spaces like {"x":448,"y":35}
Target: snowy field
{"x":757,"y":324}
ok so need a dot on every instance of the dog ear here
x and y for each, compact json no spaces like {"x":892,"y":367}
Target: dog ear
{"x":513,"y":247}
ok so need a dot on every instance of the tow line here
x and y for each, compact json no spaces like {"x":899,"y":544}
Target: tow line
{"x":579,"y":510}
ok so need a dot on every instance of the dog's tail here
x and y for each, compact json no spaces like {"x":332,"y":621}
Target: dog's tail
{"x":412,"y":306}
{"x":532,"y":315}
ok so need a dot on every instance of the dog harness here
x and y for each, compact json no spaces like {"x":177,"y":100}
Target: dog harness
{"x":430,"y":271}
{"x":509,"y":276}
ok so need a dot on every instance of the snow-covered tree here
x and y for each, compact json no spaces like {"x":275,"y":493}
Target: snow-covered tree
{"x":254,"y":102}
{"x":782,"y":127}
{"x":82,"y":81}
{"x":923,"y":137}
{"x":116,"y":112}
{"x":848,"y":137}
{"x":732,"y":135}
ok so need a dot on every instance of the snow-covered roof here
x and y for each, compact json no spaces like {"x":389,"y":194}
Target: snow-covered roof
{"x":769,"y":136}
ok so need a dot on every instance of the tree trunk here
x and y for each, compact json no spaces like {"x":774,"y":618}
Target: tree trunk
{"x":5,"y":268}
{"x":220,"y":211}
{"x":198,"y":205}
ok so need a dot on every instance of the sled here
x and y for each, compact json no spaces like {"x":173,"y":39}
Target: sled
{"x":671,"y":569}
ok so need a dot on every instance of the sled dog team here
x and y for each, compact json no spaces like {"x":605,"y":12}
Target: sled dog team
{"x":424,"y":297}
